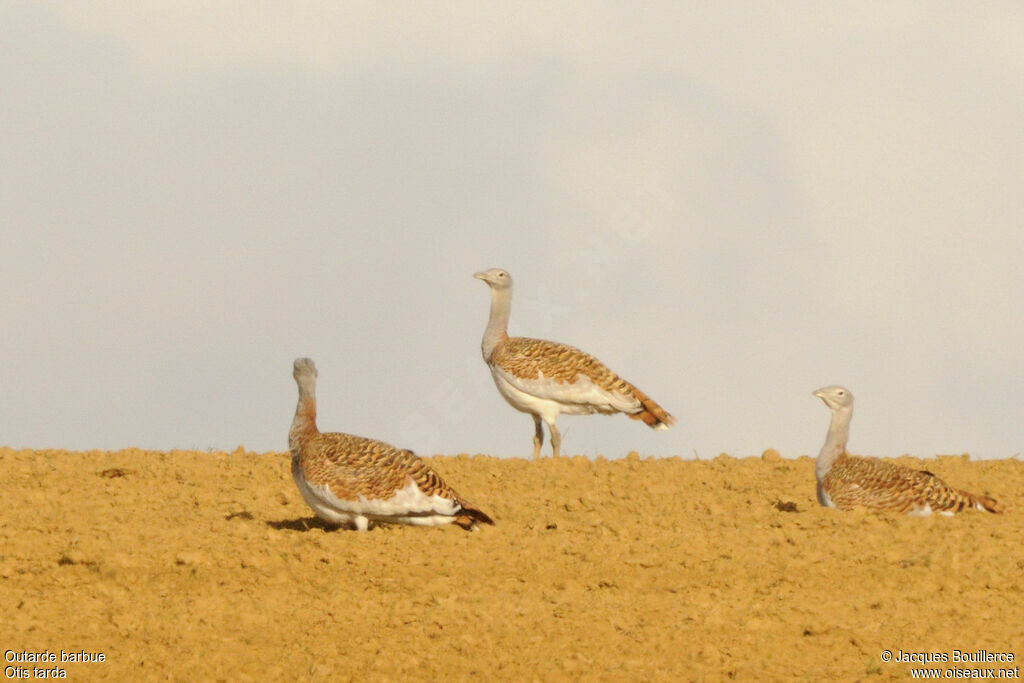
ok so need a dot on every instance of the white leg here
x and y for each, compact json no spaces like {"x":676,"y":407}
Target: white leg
{"x":361,"y":523}
{"x":556,"y":439}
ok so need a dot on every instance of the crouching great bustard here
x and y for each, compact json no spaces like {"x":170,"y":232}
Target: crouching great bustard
{"x":546,"y":379}
{"x":847,"y":481}
{"x":352,"y":481}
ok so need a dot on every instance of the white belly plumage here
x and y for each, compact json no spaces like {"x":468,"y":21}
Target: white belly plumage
{"x":548,"y":398}
{"x":926,"y":510}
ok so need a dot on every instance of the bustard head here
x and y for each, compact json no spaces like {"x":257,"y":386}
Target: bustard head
{"x":304,"y":373}
{"x":496,"y":278}
{"x":836,"y":398}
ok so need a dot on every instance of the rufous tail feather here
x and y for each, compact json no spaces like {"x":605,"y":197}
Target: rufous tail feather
{"x":652,"y":415}
{"x":985,"y":502}
{"x":468,"y":516}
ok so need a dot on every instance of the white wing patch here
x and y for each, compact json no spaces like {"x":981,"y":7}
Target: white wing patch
{"x":581,"y":397}
{"x":403,"y":502}
{"x":920,"y":511}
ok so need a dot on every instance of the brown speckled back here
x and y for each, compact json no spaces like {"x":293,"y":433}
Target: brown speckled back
{"x":854,"y":481}
{"x":353,"y":466}
{"x":527,"y":358}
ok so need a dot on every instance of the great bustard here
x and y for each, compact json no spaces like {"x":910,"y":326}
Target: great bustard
{"x":847,"y":481}
{"x":351,"y":481}
{"x":546,"y":379}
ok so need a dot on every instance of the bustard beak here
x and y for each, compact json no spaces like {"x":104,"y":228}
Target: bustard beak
{"x":819,"y":393}
{"x":480,"y":276}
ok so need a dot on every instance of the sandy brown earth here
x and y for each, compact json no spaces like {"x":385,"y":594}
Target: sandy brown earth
{"x":208,"y":566}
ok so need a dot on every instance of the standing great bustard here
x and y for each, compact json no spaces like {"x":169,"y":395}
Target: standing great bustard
{"x":847,"y":481}
{"x":546,"y":379}
{"x":351,"y":481}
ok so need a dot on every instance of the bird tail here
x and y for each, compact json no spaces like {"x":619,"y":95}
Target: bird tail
{"x":468,"y":517}
{"x":652,"y":415}
{"x":984,"y":503}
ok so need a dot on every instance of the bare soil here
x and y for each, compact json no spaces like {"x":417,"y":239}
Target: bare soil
{"x":208,"y":566}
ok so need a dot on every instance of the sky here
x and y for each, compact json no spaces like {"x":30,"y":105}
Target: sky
{"x":729,"y":204}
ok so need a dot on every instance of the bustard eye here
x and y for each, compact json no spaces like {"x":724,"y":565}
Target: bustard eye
{"x":840,"y":393}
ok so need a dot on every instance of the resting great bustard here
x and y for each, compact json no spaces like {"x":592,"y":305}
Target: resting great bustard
{"x":847,"y":481}
{"x":351,"y":481}
{"x":546,"y":379}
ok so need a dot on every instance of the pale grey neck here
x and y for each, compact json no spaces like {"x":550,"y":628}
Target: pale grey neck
{"x":304,"y":422}
{"x":497,"y":325}
{"x":835,"y":441}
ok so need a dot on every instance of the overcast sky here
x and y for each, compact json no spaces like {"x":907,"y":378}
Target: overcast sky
{"x":730,"y":204}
